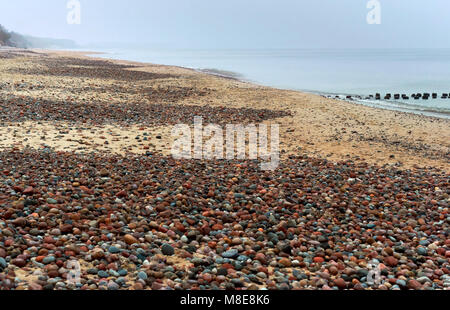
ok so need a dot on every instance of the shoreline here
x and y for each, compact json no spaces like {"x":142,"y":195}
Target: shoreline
{"x":390,"y":105}
{"x":413,"y":140}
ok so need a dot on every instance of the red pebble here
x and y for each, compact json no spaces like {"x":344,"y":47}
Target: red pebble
{"x":318,"y":259}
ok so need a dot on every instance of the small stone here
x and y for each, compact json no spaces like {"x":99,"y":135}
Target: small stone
{"x":285,"y":262}
{"x":318,"y":259}
{"x":102,"y":274}
{"x":28,"y":191}
{"x":230,"y":253}
{"x":20,"y":221}
{"x":422,"y":251}
{"x":414,"y":284}
{"x":142,"y":275}
{"x":340,"y":283}
{"x":261,"y":275}
{"x":129,"y":239}
{"x":3,"y":263}
{"x":122,"y":194}
{"x":261,"y":258}
{"x":113,"y":286}
{"x":236,"y":241}
{"x":48,"y":259}
{"x":391,"y":261}
{"x":66,"y":228}
{"x":19,"y":262}
{"x":98,"y":253}
{"x":222,"y":272}
{"x":55,"y":232}
{"x":389,"y":251}
{"x":423,"y":279}
{"x":52,"y":201}
{"x":122,"y":272}
{"x":333,"y":270}
{"x":113,"y":250}
{"x":167,"y":249}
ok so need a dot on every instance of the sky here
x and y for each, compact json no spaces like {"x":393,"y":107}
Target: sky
{"x":236,"y":23}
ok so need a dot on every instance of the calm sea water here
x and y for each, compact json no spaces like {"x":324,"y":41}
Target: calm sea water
{"x":335,"y":72}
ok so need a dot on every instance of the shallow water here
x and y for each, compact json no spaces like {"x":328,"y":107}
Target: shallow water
{"x":345,"y":71}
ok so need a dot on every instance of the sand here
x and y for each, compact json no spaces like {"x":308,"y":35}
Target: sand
{"x":319,"y":126}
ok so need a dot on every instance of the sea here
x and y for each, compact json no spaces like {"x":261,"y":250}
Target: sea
{"x":337,"y":73}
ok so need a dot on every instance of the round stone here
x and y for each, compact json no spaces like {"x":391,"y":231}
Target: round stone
{"x":3,"y":263}
{"x":142,"y":275}
{"x":129,"y":239}
{"x":422,"y":251}
{"x":102,"y":274}
{"x":230,"y":253}
{"x":113,"y":250}
{"x":113,"y":286}
{"x":167,"y":249}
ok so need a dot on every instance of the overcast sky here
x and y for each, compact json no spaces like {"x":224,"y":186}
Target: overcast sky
{"x":236,"y":23}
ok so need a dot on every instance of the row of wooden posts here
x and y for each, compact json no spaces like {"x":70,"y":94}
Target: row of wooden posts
{"x":389,"y":96}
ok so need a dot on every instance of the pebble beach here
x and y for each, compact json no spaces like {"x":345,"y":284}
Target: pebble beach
{"x":86,"y":175}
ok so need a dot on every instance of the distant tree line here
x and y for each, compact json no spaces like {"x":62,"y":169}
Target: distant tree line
{"x":13,"y":39}
{"x":4,"y":35}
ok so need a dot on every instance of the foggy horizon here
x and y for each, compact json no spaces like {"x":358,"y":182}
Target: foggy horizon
{"x":285,"y":24}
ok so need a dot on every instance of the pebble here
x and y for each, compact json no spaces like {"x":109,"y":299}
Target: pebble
{"x":129,"y":239}
{"x":113,"y":286}
{"x":285,"y":262}
{"x":142,"y":275}
{"x":414,"y":284}
{"x":422,"y":251}
{"x":391,"y":261}
{"x":3,"y":263}
{"x":230,"y":253}
{"x":167,"y":249}
{"x":48,"y":259}
{"x":19,"y":262}
{"x":318,"y":259}
{"x":52,"y":201}
{"x":340,"y":283}
{"x":113,"y":250}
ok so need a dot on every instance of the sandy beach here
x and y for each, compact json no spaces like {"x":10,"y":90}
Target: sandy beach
{"x":319,"y":126}
{"x":87,"y":174}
